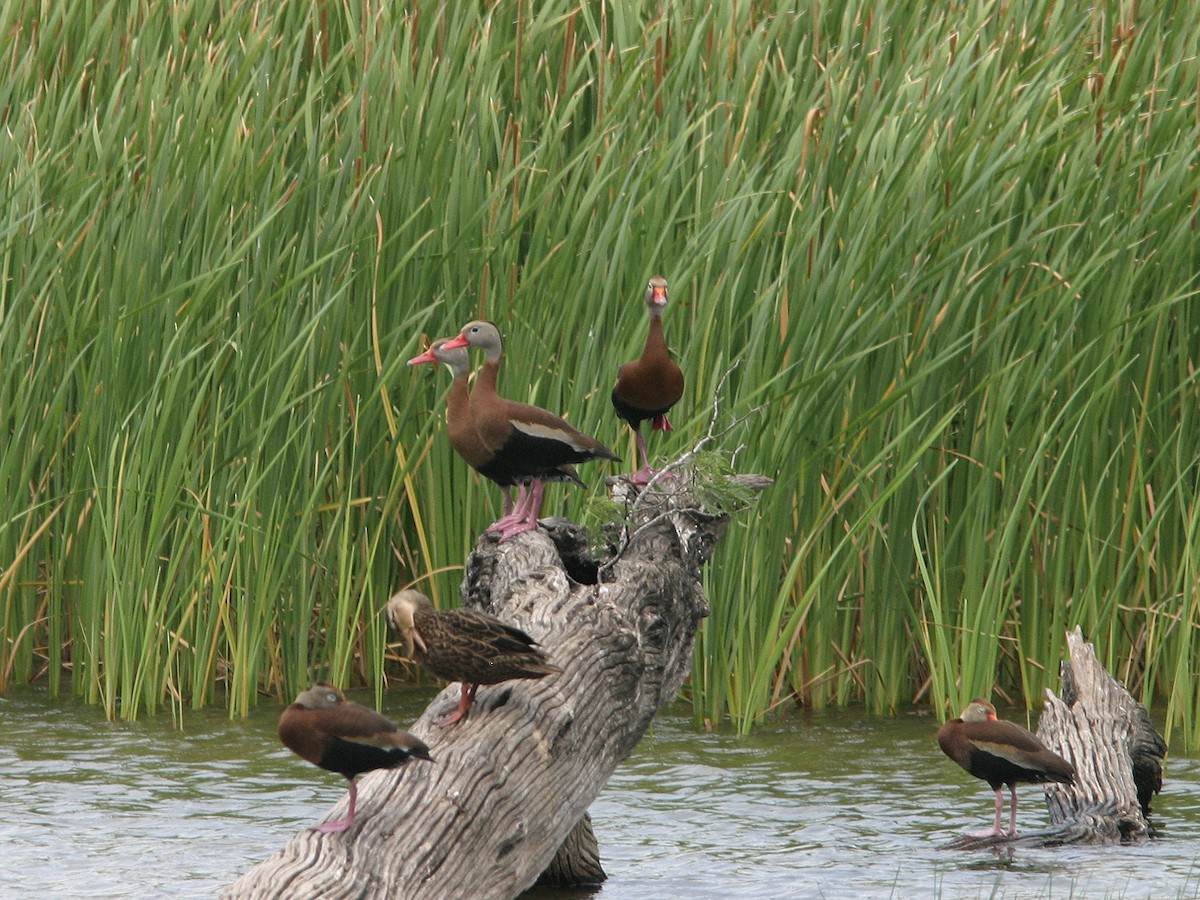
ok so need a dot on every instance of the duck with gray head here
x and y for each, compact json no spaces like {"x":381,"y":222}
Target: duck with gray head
{"x":1001,"y":753}
{"x":465,"y":439}
{"x":650,"y":385}
{"x":335,"y":734}
{"x":526,"y":442}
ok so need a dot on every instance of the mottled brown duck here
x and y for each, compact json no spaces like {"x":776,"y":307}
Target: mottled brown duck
{"x":331,"y":732}
{"x":1001,"y":753}
{"x":648,"y":387}
{"x":465,"y":645}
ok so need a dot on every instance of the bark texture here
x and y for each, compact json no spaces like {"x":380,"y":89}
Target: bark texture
{"x":1116,"y":750}
{"x":506,"y":799}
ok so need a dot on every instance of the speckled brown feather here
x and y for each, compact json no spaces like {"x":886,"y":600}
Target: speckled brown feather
{"x":467,"y":645}
{"x":472,"y":646}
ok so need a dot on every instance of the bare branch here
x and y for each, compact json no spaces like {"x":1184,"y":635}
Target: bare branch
{"x":655,"y":489}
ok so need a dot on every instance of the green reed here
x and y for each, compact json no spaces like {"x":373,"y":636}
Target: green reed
{"x":949,"y":253}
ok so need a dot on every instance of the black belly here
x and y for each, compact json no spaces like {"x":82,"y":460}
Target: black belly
{"x":349,"y":758}
{"x":635,"y":415}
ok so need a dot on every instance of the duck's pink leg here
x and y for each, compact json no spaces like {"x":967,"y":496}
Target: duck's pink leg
{"x":525,"y":516}
{"x":995,"y":829}
{"x":643,"y":475}
{"x":339,"y":825}
{"x":512,"y":513}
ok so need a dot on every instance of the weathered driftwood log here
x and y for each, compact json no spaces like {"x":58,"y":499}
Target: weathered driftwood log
{"x":1116,"y":750}
{"x":506,"y":799}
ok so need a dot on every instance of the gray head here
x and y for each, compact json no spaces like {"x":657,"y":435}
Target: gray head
{"x":458,"y":360}
{"x":320,"y":696}
{"x":482,"y":334}
{"x":656,"y":295}
{"x":979,"y":710}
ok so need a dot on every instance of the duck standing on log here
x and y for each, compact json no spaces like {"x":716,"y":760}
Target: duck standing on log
{"x":526,"y":443}
{"x":650,"y":385}
{"x":1001,"y":753}
{"x":465,"y":439}
{"x":466,"y":645}
{"x":329,"y":731}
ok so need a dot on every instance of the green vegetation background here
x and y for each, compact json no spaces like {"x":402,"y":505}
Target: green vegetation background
{"x":950,"y":250}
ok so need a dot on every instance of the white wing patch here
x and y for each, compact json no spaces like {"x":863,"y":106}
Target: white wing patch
{"x":1006,"y":752}
{"x":547,"y":433}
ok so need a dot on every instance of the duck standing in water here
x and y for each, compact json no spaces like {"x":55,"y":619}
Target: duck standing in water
{"x":1001,"y":753}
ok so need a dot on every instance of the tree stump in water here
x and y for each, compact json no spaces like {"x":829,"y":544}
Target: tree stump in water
{"x":1117,"y":753}
{"x":505,"y":801}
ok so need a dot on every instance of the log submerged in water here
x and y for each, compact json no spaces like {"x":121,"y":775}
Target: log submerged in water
{"x":504,"y":805}
{"x":1117,"y":752}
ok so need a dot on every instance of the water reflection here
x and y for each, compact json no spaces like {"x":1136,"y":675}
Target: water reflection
{"x":833,"y":805}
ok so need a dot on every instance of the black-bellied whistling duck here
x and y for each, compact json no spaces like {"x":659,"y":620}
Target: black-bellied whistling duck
{"x":459,"y":428}
{"x":527,"y":443}
{"x":1001,"y":753}
{"x":466,"y":645}
{"x":465,"y":439}
{"x":650,"y":385}
{"x":333,"y":733}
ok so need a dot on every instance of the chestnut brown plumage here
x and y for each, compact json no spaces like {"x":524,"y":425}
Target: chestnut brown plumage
{"x":527,"y":443}
{"x":466,"y":645}
{"x":465,"y":439}
{"x":329,"y":731}
{"x":650,"y":385}
{"x":1001,"y":753}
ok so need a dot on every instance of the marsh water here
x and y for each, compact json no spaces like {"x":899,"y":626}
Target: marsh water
{"x":831,"y":805}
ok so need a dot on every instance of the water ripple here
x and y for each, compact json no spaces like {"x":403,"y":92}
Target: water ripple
{"x":835,"y":805}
